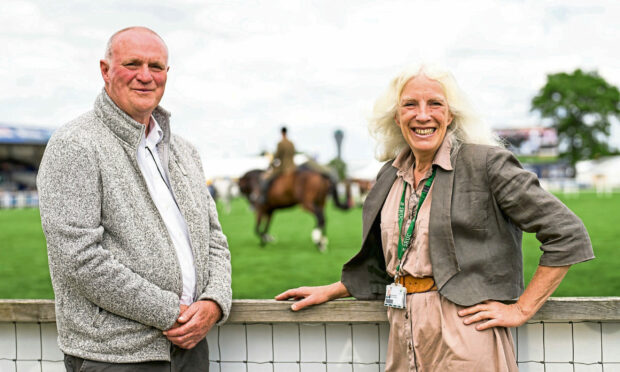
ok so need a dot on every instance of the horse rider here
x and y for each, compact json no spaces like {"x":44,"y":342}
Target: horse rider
{"x":282,"y":163}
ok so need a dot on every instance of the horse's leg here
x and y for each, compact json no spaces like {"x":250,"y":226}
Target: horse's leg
{"x":257,"y":228}
{"x":265,"y":237}
{"x":319,"y":198}
{"x":312,"y":194}
{"x":263,"y":219}
{"x":318,"y":233}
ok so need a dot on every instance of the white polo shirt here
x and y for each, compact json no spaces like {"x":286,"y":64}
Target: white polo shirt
{"x":159,"y":187}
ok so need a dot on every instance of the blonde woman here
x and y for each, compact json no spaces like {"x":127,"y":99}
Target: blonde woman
{"x":442,"y":234}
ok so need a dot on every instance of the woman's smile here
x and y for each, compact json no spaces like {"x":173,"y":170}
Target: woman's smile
{"x":424,"y":132}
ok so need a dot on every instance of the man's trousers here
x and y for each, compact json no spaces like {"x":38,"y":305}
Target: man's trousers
{"x":182,"y":360}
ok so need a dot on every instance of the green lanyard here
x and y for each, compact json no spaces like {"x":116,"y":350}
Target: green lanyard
{"x":403,"y":245}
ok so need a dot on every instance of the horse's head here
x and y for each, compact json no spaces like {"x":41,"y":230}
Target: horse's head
{"x":250,"y":182}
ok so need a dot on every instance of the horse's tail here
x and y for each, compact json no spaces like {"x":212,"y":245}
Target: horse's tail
{"x":334,"y":190}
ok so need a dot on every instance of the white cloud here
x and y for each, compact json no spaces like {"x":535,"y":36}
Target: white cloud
{"x":24,"y":19}
{"x":241,"y":69}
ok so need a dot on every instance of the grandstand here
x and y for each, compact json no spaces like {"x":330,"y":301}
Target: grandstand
{"x":21,"y":150}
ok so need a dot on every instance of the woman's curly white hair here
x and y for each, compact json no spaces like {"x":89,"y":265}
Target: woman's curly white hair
{"x":466,"y":126}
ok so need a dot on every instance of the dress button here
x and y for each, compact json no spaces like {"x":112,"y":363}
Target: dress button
{"x":409,"y":345}
{"x":406,"y":315}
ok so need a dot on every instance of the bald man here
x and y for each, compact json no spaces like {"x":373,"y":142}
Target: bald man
{"x":139,"y":264}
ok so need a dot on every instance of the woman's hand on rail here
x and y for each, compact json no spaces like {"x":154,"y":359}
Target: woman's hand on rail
{"x":314,"y":295}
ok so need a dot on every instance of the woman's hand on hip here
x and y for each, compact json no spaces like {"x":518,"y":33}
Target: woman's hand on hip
{"x":313,"y":295}
{"x":496,"y":314}
{"x":490,"y":314}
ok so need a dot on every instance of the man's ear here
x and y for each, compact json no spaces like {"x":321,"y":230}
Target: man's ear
{"x":104,"y":66}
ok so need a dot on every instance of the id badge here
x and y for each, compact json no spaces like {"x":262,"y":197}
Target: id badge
{"x":395,"y":296}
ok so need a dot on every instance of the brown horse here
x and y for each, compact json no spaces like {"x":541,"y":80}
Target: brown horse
{"x":305,"y":187}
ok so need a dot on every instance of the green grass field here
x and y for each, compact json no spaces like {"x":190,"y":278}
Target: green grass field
{"x":292,"y":260}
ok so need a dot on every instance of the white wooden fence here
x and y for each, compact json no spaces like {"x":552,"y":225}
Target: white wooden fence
{"x":19,"y":199}
{"x":568,"y":334}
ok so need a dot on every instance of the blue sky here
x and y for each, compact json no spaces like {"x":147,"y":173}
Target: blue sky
{"x":241,"y":69}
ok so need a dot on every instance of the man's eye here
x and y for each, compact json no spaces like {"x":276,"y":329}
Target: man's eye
{"x":157,"y":68}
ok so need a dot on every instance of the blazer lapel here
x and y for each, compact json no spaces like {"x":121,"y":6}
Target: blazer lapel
{"x":441,"y":240}
{"x":376,"y":198}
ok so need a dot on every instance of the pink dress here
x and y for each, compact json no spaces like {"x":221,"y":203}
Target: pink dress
{"x":429,"y":335}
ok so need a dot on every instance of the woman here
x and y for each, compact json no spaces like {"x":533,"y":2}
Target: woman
{"x":443,"y":223}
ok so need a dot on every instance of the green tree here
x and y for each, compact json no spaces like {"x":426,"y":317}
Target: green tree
{"x":339,"y":166}
{"x":579,"y":106}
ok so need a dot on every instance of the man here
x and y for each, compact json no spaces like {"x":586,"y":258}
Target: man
{"x":282,"y":163}
{"x":139,"y":263}
{"x":283,"y":158}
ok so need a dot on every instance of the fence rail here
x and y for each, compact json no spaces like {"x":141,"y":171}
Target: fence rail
{"x":339,"y":311}
{"x":567,"y":334}
{"x":19,"y":199}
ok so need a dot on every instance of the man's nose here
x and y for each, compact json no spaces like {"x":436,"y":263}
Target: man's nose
{"x":144,"y":74}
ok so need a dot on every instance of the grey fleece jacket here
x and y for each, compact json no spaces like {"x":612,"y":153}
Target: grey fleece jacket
{"x":114,"y":269}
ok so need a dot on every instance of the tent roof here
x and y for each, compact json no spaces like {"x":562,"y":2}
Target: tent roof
{"x":24,"y":135}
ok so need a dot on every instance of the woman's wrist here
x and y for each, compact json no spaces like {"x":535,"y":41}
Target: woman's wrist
{"x":338,"y":290}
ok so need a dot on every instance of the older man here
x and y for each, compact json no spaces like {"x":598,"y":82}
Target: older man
{"x":139,"y":263}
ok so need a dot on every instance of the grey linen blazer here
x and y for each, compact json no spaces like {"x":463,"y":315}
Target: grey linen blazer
{"x":114,"y":269}
{"x":478,"y":213}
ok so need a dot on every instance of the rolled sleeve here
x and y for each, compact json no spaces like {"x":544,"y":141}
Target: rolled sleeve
{"x":563,"y":236}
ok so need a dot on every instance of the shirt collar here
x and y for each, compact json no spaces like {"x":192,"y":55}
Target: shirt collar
{"x":155,"y":134}
{"x":405,"y":160}
{"x":123,"y":126}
